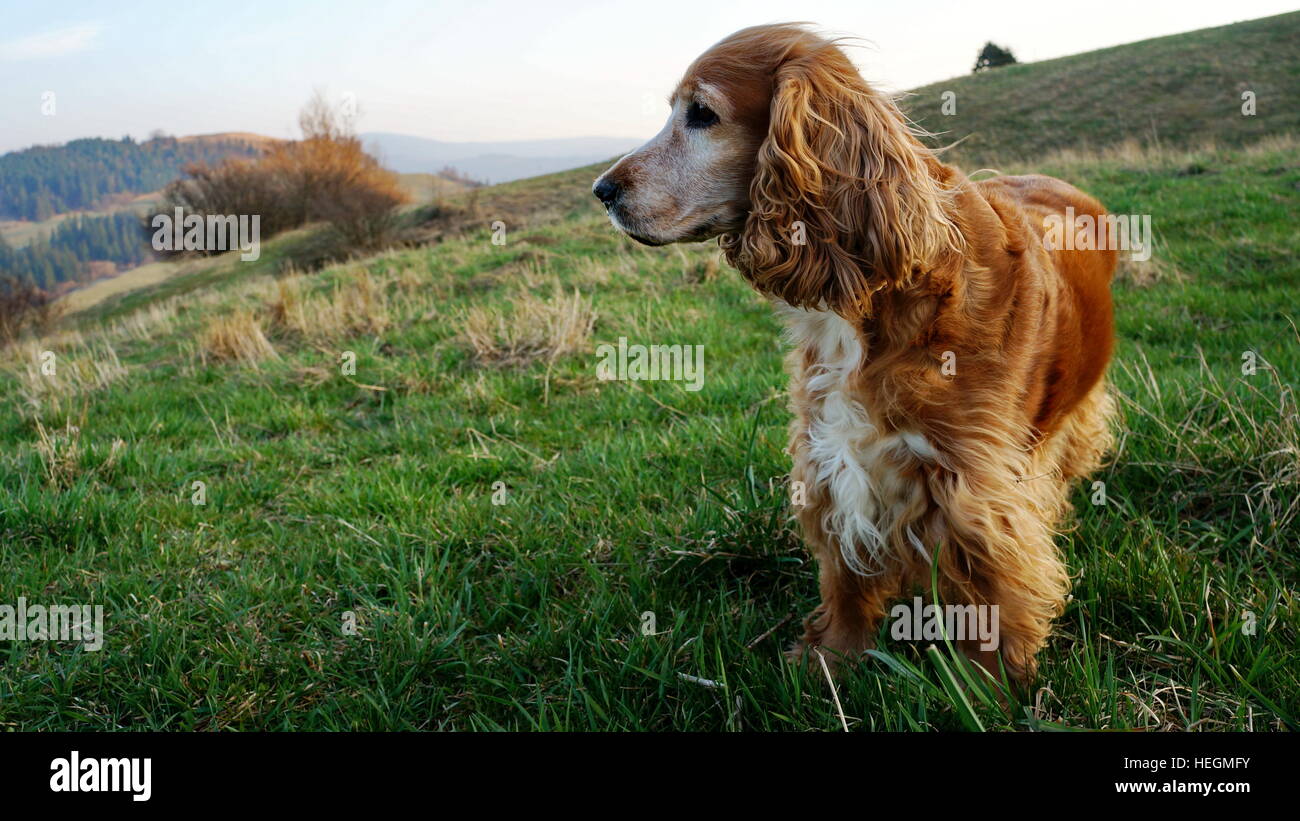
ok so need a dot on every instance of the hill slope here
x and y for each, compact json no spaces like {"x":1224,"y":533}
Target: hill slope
{"x":376,"y":493}
{"x":497,"y":520}
{"x":1181,"y":89}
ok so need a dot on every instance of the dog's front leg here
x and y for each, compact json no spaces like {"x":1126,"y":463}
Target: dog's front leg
{"x":1000,"y":551}
{"x":852,"y":606}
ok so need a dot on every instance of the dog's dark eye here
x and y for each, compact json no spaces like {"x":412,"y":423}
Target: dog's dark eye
{"x":700,"y":116}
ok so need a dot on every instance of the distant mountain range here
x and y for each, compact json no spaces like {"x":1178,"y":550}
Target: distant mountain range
{"x":493,"y":162}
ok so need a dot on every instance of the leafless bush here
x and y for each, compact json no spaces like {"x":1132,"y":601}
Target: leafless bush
{"x":24,"y":307}
{"x":236,"y":186}
{"x":459,"y":177}
{"x":326,"y":176}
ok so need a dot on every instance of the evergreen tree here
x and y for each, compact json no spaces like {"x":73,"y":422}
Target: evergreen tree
{"x":992,"y":56}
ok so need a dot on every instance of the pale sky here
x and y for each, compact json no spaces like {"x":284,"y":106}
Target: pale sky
{"x":487,"y":70}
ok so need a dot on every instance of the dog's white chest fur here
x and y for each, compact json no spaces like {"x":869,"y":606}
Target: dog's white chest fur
{"x":866,"y":476}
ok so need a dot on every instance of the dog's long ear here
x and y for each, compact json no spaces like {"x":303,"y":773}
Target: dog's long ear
{"x":845,"y":200}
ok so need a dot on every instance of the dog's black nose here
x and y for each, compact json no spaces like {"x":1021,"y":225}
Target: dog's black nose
{"x":606,"y":191}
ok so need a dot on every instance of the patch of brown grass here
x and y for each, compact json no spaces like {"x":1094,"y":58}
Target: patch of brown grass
{"x":356,"y":305}
{"x":286,"y":309}
{"x":60,"y":453}
{"x":75,"y":372}
{"x":698,"y":268}
{"x":530,"y":329}
{"x":1145,"y":273}
{"x":236,"y":337}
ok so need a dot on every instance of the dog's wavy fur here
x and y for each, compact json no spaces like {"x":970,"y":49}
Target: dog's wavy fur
{"x":906,"y":265}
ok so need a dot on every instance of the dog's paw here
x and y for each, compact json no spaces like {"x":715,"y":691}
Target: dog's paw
{"x":817,"y":659}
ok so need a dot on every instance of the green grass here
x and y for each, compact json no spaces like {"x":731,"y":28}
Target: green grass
{"x":372,"y":494}
{"x":1182,"y":90}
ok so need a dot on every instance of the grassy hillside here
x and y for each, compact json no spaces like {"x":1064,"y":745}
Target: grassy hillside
{"x":371,"y":493}
{"x":1180,"y":90}
{"x":332,"y":495}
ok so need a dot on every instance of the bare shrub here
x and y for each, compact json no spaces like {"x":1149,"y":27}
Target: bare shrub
{"x":326,"y":176}
{"x":236,"y":186}
{"x":452,"y":174}
{"x":24,"y":308}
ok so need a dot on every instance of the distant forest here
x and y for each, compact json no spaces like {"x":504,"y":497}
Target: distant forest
{"x":68,"y":254}
{"x":37,"y":183}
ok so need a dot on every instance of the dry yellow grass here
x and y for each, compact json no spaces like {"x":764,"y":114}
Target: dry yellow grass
{"x":357,"y":305}
{"x":236,"y":337}
{"x":532,"y":328}
{"x":286,"y":309}
{"x":154,"y":318}
{"x":49,"y":373}
{"x":1148,"y":155}
{"x":360,"y":305}
{"x":1145,"y":273}
{"x":60,"y":452}
{"x":410,"y":281}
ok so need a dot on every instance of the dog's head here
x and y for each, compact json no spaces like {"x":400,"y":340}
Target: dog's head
{"x":820,"y":192}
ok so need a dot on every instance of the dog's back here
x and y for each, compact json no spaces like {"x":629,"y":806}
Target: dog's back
{"x":1073,"y":229}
